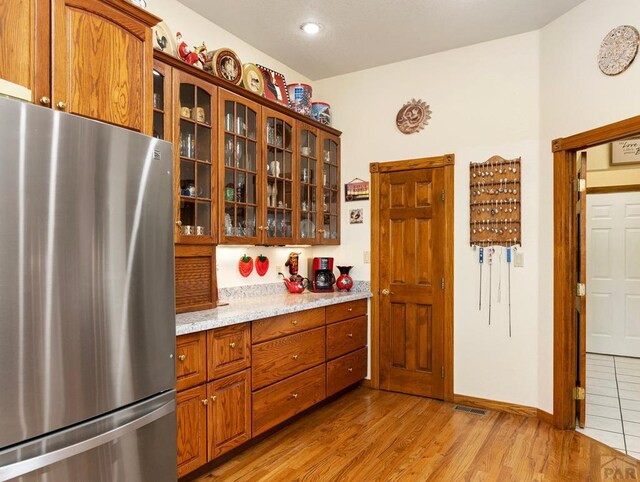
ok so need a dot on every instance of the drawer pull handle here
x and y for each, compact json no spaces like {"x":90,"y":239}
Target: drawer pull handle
{"x":295,"y":357}
{"x":205,"y":401}
{"x":294,"y":395}
{"x":232,"y":344}
{"x":350,"y":335}
{"x":349,"y":310}
{"x":213,"y":398}
{"x":294,"y":322}
{"x":182,"y":357}
{"x":349,"y":369}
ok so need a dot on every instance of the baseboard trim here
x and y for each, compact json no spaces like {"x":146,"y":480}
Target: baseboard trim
{"x":545,"y":416}
{"x":367,"y":383}
{"x":495,"y":405}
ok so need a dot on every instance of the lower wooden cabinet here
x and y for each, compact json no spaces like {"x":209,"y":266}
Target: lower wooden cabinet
{"x":229,"y":413}
{"x":229,"y":350}
{"x":191,"y":412}
{"x":346,"y":370}
{"x":282,"y":400}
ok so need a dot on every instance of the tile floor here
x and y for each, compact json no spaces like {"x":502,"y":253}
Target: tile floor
{"x":613,"y":402}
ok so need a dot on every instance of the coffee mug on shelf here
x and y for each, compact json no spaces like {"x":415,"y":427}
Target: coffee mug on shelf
{"x":305,"y":151}
{"x":200,"y":230}
{"x":185,"y":112}
{"x":199,"y":114}
{"x":187,"y":230}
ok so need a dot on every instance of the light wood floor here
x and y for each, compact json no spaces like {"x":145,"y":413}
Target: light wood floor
{"x":371,"y":435}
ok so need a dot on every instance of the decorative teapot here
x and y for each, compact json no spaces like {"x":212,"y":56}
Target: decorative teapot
{"x":296,"y":284}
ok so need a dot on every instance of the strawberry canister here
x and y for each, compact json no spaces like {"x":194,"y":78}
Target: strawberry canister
{"x":300,"y":97}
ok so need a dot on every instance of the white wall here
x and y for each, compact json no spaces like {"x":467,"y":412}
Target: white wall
{"x":485,"y":101}
{"x":575,"y":96}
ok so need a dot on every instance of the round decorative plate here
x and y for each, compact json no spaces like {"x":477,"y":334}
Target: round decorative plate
{"x":225,"y":64}
{"x":252,"y":79}
{"x":618,"y":49}
{"x":413,"y":116}
{"x":163,"y":39}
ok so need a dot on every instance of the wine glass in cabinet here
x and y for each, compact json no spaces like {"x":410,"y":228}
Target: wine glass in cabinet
{"x":308,"y":176}
{"x":330,"y":197}
{"x":194,"y":143}
{"x":279,"y":189}
{"x":239,"y":162}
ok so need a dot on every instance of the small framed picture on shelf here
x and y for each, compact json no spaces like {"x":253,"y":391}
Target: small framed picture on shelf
{"x":356,"y":216}
{"x":275,"y":86}
{"x":625,"y":152}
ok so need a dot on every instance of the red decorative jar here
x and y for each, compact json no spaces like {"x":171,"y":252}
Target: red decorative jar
{"x":344,"y":281}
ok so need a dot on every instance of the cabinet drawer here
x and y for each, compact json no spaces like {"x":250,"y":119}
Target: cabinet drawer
{"x":280,"y":358}
{"x":346,"y":336}
{"x":191,"y":360}
{"x":282,"y":325}
{"x":346,"y":370}
{"x":283,"y":400}
{"x":344,"y":311}
{"x":229,"y":350}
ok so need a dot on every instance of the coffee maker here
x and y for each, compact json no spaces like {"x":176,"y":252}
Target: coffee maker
{"x":321,"y":277}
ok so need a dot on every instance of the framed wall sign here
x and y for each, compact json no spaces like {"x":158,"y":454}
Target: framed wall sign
{"x":356,"y":190}
{"x":275,"y":86}
{"x":625,"y":152}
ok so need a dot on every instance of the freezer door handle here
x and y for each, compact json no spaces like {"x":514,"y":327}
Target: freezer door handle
{"x":34,"y":463}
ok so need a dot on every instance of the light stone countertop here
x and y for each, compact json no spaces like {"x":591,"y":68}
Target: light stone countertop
{"x":254,"y":308}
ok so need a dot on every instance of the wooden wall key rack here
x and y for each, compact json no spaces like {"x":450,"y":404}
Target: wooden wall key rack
{"x":494,"y":202}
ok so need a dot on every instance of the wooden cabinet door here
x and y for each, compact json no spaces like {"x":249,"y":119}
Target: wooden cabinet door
{"x":195,"y":277}
{"x":229,"y":414}
{"x":241,"y":174}
{"x":280,"y":189}
{"x":102,"y":61}
{"x":194,"y":107}
{"x":162,"y":101}
{"x":191,"y":412}
{"x":229,"y":350}
{"x":329,"y":230}
{"x":191,"y":360}
{"x":309,"y":207}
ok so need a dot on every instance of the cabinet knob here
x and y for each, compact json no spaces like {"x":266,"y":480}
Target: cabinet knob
{"x":182,"y":357}
{"x":349,"y":369}
{"x":205,"y":401}
{"x":294,"y":322}
{"x":213,"y":398}
{"x":349,"y":310}
{"x":61,"y":105}
{"x":321,"y":231}
{"x":178,"y":223}
{"x":44,"y":100}
{"x":232,"y":344}
{"x":295,"y":357}
{"x":350,"y":335}
{"x":294,"y":395}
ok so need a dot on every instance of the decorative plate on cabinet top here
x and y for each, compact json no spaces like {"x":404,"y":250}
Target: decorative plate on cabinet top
{"x":252,"y":79}
{"x":224,"y":63}
{"x":164,"y":40}
{"x":618,"y":49}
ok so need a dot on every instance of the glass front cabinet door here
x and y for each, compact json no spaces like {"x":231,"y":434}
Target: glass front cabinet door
{"x":279,"y":191}
{"x":239,"y":160}
{"x":330,"y":197}
{"x":309,"y":208}
{"x":194,"y":143}
{"x":162,"y":112}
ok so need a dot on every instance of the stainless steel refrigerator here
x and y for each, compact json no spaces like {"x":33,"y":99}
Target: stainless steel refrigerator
{"x":87,"y":324}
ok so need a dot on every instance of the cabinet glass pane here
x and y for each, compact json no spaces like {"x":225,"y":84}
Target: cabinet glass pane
{"x":251,"y":156}
{"x":250,"y":227}
{"x":187,"y":217}
{"x":228,"y":150}
{"x":229,"y":217}
{"x":203,"y":147}
{"x":187,"y":178}
{"x":228,"y":115}
{"x":334,"y":227}
{"x":252,"y":127}
{"x":240,"y":153}
{"x":203,"y":110}
{"x":288,"y":166}
{"x":187,"y":100}
{"x":187,"y":139}
{"x":241,"y":196}
{"x":158,"y":125}
{"x":203,"y":218}
{"x":203,"y":188}
{"x":229,"y":185}
{"x":251,"y":188}
{"x":158,"y":90}
{"x":333,"y":209}
{"x":241,"y":120}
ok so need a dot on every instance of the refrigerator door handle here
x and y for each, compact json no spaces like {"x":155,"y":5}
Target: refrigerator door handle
{"x":29,"y":465}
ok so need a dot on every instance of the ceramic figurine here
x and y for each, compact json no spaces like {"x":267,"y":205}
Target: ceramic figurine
{"x":292,"y":264}
{"x":192,"y":57}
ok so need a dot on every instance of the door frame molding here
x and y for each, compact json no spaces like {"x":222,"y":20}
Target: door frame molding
{"x":447,"y":162}
{"x":565,"y":259}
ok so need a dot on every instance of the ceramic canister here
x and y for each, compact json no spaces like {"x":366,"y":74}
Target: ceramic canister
{"x":321,"y":111}
{"x":300,"y":97}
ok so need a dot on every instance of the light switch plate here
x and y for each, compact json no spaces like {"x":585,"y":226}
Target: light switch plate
{"x":518,"y":259}
{"x":367,"y":257}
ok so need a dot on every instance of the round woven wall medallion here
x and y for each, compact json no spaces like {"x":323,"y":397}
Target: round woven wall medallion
{"x":413,"y":116}
{"x":618,"y":49}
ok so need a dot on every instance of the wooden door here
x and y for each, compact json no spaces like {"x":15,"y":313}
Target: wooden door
{"x":229,"y":415}
{"x":191,"y":413}
{"x":240,"y":172}
{"x":411,"y":273}
{"x":581,"y":299}
{"x":102,"y":61}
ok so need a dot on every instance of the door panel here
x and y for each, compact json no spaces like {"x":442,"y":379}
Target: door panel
{"x":411,"y":266}
{"x":613,"y":269}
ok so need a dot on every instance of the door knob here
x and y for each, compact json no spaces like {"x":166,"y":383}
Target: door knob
{"x":386,"y":292}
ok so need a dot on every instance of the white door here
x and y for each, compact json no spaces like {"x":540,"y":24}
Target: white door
{"x":613,"y":273}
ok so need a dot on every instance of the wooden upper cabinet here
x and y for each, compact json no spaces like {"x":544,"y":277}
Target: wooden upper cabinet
{"x":309,"y":162}
{"x":162,"y":101}
{"x":330,"y":189}
{"x":102,"y":61}
{"x":194,"y":146}
{"x":279,"y":190}
{"x":239,"y":161}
